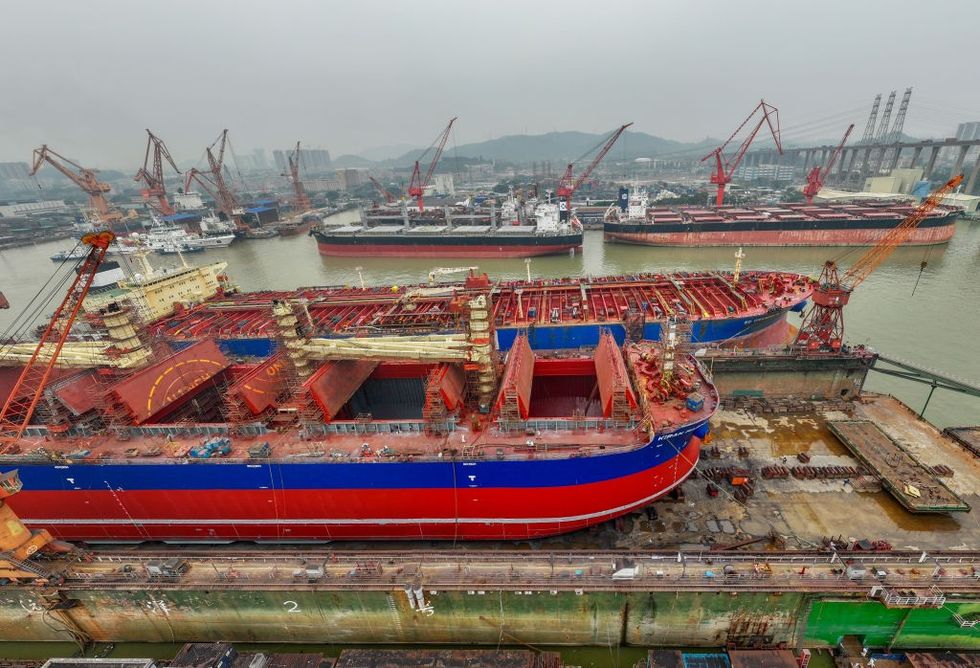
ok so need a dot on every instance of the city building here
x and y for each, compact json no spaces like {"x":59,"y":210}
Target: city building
{"x":968,"y":131}
{"x":35,"y":207}
{"x":352,"y":177}
{"x":14,"y":170}
{"x":766,"y":172}
{"x":311,"y":160}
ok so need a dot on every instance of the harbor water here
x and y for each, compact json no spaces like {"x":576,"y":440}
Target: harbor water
{"x":931,"y":319}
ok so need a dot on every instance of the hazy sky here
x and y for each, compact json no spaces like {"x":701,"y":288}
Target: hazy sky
{"x":87,"y":77}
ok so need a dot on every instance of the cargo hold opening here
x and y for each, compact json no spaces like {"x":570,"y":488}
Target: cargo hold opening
{"x":565,"y":388}
{"x":391,"y":392}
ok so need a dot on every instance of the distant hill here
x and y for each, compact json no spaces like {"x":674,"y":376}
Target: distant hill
{"x":558,"y":147}
{"x":561,"y":147}
{"x":379,"y":153}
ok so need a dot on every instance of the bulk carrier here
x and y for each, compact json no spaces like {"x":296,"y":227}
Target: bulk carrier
{"x":518,"y":230}
{"x":633,"y":221}
{"x":424,"y":437}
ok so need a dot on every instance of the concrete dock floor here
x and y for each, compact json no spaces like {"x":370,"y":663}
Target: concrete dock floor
{"x":804,"y":512}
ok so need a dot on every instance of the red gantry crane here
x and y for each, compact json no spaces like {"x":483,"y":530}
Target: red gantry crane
{"x":418,"y":184}
{"x":384,"y":192}
{"x":568,"y":184}
{"x":302,"y":200}
{"x":29,"y":387}
{"x":85,"y":179}
{"x":151,"y":174}
{"x":213,"y":181}
{"x":725,"y":167}
{"x":823,"y":327}
{"x":817,"y":175}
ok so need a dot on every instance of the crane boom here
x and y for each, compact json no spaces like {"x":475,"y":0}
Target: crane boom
{"x":151,"y":173}
{"x":817,"y":175}
{"x":568,"y":184}
{"x":418,"y":184}
{"x":389,"y":198}
{"x":302,"y":202}
{"x":29,"y":387}
{"x":221,"y":192}
{"x":725,"y":167}
{"x":823,"y":325}
{"x":83,"y":178}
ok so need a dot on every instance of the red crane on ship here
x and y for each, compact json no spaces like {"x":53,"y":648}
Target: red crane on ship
{"x":417,"y":185}
{"x":568,"y":184}
{"x":725,"y":167}
{"x":151,"y":173}
{"x":823,"y":326}
{"x":27,"y":391}
{"x":815,"y":179}
{"x":302,"y":200}
{"x":384,"y":192}
{"x":85,"y":179}
{"x":213,"y":181}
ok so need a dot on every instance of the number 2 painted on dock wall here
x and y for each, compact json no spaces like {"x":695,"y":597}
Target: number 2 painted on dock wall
{"x":291,"y":606}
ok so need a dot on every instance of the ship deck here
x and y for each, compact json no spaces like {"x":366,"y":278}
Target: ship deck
{"x":787,"y":212}
{"x":345,"y":309}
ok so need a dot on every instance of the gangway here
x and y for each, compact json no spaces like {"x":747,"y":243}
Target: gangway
{"x":908,"y":371}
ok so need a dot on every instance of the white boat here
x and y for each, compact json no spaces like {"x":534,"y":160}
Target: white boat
{"x":76,"y":253}
{"x":169,"y":238}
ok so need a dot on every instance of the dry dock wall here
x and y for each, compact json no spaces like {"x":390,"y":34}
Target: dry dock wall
{"x":789,"y":375}
{"x":484,"y":617}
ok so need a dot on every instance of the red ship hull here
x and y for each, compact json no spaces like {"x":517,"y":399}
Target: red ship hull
{"x":371,"y":250}
{"x":301,"y":515}
{"x":865,"y":237}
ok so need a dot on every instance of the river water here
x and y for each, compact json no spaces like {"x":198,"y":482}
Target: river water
{"x":936,"y":327}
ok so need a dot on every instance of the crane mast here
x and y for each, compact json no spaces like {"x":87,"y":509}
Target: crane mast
{"x":823,"y":327}
{"x":151,"y":173}
{"x":418,"y":184}
{"x":213,"y":181}
{"x":568,"y":183}
{"x":83,"y":178}
{"x":302,"y":202}
{"x":725,"y":167}
{"x":29,"y":387}
{"x":817,"y":175}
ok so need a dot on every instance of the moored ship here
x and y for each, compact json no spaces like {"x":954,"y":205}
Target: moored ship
{"x":797,"y":224}
{"x":522,"y":230}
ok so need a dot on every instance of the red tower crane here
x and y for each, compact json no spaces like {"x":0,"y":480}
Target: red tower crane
{"x":302,"y":202}
{"x":384,"y":192}
{"x":151,"y":173}
{"x":417,"y":185}
{"x":725,"y":167}
{"x":29,"y":387}
{"x":213,"y":181}
{"x":823,"y":327}
{"x":815,"y":179}
{"x":85,"y":179}
{"x":568,"y":184}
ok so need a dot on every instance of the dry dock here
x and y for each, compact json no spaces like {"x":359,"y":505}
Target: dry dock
{"x":783,"y":537}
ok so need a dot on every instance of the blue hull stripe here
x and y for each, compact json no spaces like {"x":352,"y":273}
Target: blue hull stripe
{"x":218,"y":475}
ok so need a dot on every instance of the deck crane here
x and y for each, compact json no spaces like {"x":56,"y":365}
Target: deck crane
{"x":389,"y":197}
{"x":151,"y":173}
{"x":815,"y":179}
{"x":725,"y":167}
{"x":85,"y":179}
{"x":568,"y":183}
{"x":302,"y":202}
{"x":823,"y":326}
{"x":213,"y":181}
{"x":29,"y":387}
{"x":417,"y":185}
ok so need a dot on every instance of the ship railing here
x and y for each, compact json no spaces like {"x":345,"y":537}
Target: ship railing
{"x":566,"y":424}
{"x":380,"y":427}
